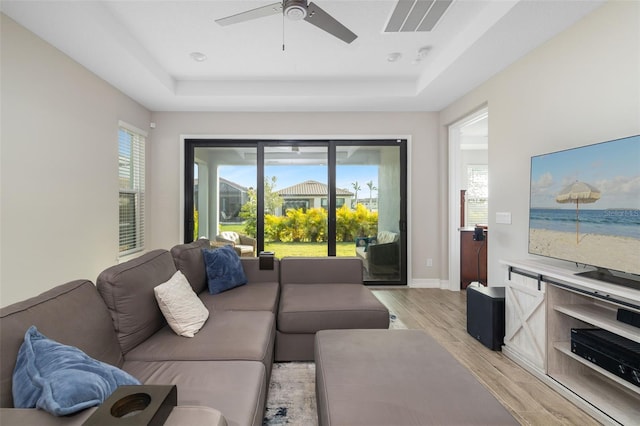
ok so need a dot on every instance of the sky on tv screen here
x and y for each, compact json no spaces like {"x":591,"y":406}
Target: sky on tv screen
{"x":611,"y":167}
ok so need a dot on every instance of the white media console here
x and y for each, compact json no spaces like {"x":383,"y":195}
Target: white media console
{"x":543,"y":302}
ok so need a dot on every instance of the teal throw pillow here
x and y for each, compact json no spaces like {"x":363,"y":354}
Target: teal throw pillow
{"x":224,"y":269}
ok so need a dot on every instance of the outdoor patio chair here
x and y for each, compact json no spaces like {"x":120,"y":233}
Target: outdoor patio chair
{"x":245,"y":246}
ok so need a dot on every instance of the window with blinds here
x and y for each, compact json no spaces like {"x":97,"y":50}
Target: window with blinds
{"x":131,"y":155}
{"x":477,"y":202}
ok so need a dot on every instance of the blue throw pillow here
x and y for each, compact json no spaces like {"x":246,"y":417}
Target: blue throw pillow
{"x":61,"y":379}
{"x":224,"y":269}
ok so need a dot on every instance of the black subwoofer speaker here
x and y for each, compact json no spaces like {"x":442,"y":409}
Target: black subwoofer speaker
{"x":485,"y":315}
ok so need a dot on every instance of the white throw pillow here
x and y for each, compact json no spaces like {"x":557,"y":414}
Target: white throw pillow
{"x":180,"y":305}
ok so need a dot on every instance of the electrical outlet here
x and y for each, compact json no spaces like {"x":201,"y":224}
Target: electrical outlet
{"x":429,"y":262}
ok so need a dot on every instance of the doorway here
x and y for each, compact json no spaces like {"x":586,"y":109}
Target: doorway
{"x":303,"y":198}
{"x":468,"y":195}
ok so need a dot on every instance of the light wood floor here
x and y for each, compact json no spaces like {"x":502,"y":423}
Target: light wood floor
{"x":443,"y":314}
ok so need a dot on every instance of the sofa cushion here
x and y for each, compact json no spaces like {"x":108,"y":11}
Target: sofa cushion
{"x":249,"y":297}
{"x":307,"y":308}
{"x":317,"y":270}
{"x":62,"y":379}
{"x":72,"y":313}
{"x":227,"y":335}
{"x":244,"y":249}
{"x":180,"y":306}
{"x":127,"y":290}
{"x":188,"y":258}
{"x":179,"y":416}
{"x":236,"y":388}
{"x":224,"y":270}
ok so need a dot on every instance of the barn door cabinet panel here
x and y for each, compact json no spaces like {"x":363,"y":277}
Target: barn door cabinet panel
{"x":525,"y":319}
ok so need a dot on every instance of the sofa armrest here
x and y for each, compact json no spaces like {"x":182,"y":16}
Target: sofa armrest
{"x":35,"y":416}
{"x":248,"y":241}
{"x":219,"y":242}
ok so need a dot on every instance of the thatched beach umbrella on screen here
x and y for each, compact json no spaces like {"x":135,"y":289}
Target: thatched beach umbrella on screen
{"x":579,"y":193}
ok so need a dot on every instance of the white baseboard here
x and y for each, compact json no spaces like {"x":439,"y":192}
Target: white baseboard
{"x":426,"y":283}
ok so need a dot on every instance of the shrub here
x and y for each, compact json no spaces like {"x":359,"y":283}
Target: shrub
{"x":311,"y":225}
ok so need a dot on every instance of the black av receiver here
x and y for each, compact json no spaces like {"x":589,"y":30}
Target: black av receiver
{"x":616,"y":354}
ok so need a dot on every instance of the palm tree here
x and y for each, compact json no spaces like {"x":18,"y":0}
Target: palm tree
{"x":371,"y":188}
{"x":356,"y":187}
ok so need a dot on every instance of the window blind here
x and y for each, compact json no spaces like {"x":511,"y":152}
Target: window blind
{"x":131,"y":172}
{"x":477,"y":203}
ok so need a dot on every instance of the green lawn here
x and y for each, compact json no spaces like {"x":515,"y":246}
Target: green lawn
{"x":309,"y":249}
{"x":296,"y":249}
{"x":236,"y":227}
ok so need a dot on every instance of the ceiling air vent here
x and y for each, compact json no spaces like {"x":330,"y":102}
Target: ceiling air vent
{"x":416,"y":15}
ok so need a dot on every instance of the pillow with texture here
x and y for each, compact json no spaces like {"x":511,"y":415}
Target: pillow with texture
{"x":224,"y":269}
{"x":61,"y":379}
{"x":184,"y":312}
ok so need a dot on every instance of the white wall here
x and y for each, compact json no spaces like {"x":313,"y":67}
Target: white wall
{"x":579,"y":88}
{"x":59,"y":166}
{"x":425,"y":216}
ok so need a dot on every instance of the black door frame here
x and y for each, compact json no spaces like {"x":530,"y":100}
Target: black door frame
{"x":331,"y":144}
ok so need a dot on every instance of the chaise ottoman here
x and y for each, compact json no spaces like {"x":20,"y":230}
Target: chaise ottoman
{"x":397,"y":377}
{"x":322,"y":293}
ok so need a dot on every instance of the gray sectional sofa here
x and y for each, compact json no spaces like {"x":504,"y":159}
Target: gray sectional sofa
{"x":224,"y":369}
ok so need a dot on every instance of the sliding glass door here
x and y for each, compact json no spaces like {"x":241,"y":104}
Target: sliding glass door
{"x":295,"y":199}
{"x":302,"y":198}
{"x":220,"y":190}
{"x":371,"y":221}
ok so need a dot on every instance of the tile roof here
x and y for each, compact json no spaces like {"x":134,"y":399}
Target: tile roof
{"x":233,"y":184}
{"x":313,"y":188}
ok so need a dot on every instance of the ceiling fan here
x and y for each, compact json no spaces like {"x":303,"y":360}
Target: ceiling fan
{"x":295,"y":10}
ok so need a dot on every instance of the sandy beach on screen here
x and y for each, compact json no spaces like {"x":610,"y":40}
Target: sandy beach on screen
{"x":613,"y":252}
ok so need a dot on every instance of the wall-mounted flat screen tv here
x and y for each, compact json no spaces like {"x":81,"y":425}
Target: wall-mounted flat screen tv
{"x":585,"y":208}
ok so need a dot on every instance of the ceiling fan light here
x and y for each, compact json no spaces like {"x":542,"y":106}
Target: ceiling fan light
{"x":295,"y":9}
{"x":296,"y":13}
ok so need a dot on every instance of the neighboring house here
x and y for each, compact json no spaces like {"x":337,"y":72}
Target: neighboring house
{"x":232,"y":198}
{"x":311,"y":194}
{"x":370,"y":203}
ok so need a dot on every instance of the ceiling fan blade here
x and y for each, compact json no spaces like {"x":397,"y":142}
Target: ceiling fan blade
{"x":324,"y":21}
{"x":260,"y":12}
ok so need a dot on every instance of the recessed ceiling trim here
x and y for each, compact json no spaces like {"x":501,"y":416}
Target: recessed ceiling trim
{"x":320,"y":88}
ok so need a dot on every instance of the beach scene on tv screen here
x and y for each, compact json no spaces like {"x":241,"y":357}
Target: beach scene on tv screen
{"x":585,"y":205}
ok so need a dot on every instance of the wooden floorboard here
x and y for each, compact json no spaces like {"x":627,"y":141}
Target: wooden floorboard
{"x":443,"y":314}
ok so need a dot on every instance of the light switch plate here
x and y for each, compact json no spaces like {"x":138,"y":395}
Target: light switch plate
{"x":503,"y":217}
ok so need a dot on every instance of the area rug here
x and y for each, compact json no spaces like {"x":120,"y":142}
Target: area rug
{"x":292,"y":391}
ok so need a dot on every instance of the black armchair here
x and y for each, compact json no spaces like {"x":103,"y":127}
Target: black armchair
{"x":384,"y":259}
